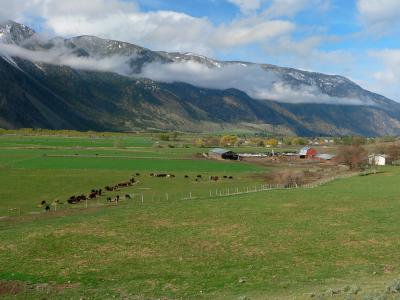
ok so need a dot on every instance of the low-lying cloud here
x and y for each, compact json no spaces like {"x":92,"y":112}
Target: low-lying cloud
{"x":252,"y":79}
{"x":64,"y":57}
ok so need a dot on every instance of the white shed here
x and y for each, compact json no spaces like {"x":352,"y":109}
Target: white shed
{"x":378,"y":160}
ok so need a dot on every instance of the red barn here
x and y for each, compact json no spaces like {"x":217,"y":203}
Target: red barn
{"x":307,"y":152}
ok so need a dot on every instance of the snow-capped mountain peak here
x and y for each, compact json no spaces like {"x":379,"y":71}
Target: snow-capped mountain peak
{"x":14,"y":33}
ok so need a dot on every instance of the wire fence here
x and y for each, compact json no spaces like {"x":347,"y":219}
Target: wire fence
{"x":145,"y":196}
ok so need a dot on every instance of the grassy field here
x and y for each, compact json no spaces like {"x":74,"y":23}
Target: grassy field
{"x":280,"y":244}
{"x":47,"y":172}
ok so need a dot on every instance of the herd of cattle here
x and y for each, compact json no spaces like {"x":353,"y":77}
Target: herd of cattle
{"x":95,"y":193}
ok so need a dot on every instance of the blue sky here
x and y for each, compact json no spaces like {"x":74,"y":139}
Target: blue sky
{"x":354,"y":38}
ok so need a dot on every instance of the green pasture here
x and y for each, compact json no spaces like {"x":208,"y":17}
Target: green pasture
{"x":51,"y":141}
{"x":280,"y":244}
{"x":30,"y":175}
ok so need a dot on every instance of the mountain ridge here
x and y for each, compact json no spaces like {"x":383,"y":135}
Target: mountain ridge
{"x":44,"y":94}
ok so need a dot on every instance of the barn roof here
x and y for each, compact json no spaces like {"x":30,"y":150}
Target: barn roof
{"x":304,"y":150}
{"x":219,"y":151}
{"x":325,"y":156}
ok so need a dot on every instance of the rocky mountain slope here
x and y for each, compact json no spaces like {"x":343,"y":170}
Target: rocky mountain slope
{"x":56,"y":90}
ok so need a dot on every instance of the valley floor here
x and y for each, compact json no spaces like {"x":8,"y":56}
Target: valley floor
{"x":336,"y":239}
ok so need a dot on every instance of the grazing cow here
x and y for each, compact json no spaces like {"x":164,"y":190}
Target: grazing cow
{"x":230,"y":177}
{"x":112,"y":188}
{"x":109,"y":199}
{"x":127,"y":196}
{"x":225,"y":176}
{"x":47,"y":208}
{"x":43,"y":203}
{"x":72,"y":200}
{"x":214,"y":178}
{"x":198,"y":176}
{"x":137,"y":174}
{"x":186,"y":176}
{"x":92,"y":195}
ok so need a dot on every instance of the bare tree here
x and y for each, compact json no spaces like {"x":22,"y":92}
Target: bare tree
{"x":393,"y":151}
{"x":354,"y":156}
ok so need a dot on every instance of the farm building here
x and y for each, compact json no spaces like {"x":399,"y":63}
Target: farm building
{"x":378,"y":160}
{"x":219,"y":153}
{"x":324,"y":156}
{"x":307,"y":152}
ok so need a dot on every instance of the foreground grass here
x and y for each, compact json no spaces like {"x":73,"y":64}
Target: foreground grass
{"x":280,"y":243}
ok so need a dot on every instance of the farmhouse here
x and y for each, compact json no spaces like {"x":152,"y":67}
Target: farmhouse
{"x":307,"y":152}
{"x":219,"y":153}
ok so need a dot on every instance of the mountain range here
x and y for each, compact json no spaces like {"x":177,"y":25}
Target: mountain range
{"x":89,"y":83}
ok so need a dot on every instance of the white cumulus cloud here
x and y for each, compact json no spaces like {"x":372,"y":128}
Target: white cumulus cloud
{"x":158,"y":30}
{"x":388,"y":77}
{"x":379,"y":16}
{"x":247,"y":6}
